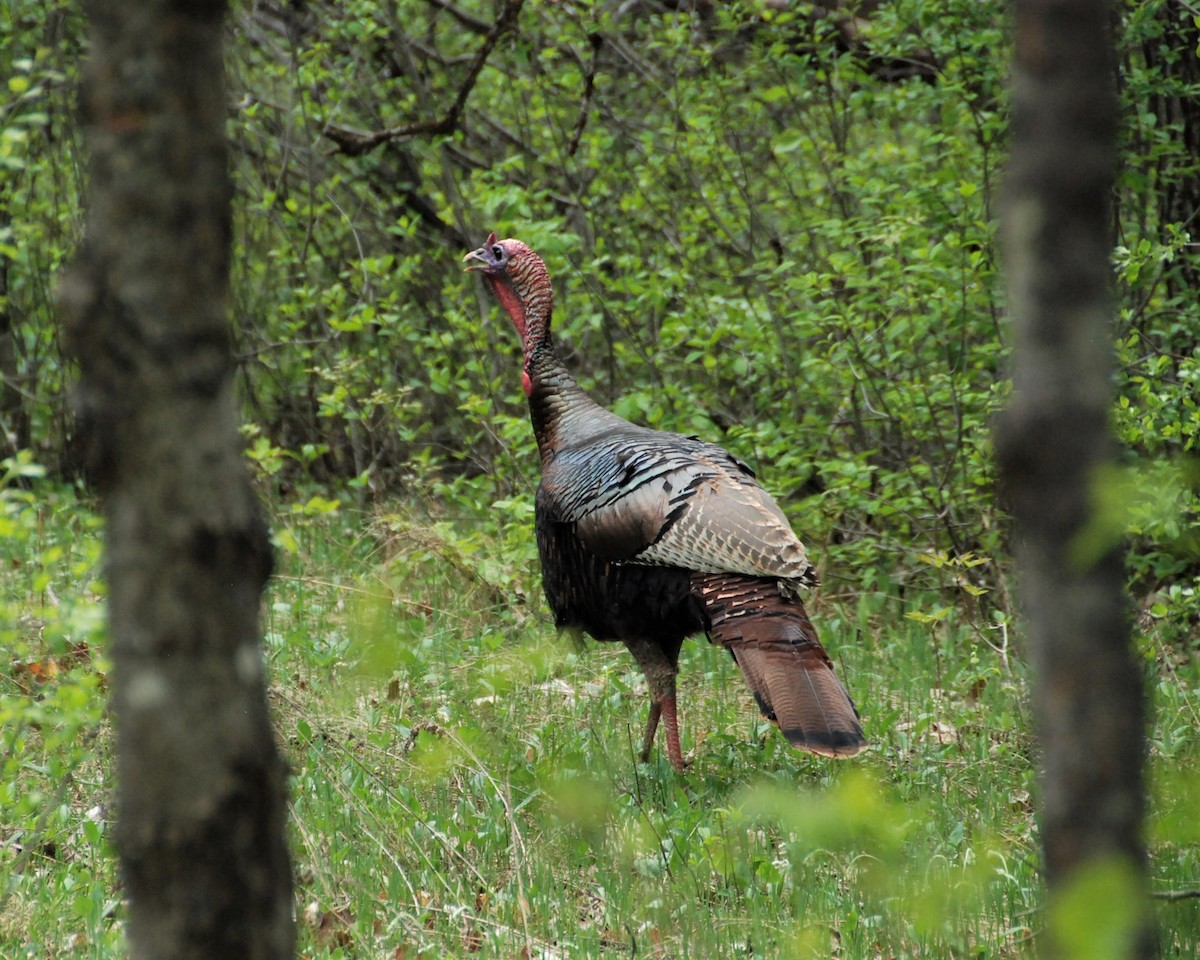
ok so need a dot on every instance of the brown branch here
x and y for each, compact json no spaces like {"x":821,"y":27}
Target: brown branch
{"x":355,"y":142}
{"x":465,"y":19}
{"x":1172,"y":896}
{"x":589,"y":87}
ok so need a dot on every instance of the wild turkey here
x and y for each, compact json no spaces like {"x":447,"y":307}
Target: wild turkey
{"x":646,"y":537}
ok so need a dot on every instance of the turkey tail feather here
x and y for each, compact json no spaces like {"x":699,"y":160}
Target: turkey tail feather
{"x":789,"y":673}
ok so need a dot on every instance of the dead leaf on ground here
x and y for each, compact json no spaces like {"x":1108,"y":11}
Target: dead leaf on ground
{"x":331,"y":928}
{"x":34,"y":673}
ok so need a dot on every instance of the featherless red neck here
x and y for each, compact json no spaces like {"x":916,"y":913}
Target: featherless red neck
{"x":520,"y":281}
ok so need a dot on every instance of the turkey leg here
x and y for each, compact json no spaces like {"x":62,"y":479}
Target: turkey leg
{"x":664,"y":708}
{"x":660,"y":668}
{"x":651,"y":729}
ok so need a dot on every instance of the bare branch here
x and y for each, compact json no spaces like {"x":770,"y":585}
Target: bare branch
{"x":589,"y":86}
{"x":465,"y":19}
{"x":356,"y":142}
{"x":1172,"y":896}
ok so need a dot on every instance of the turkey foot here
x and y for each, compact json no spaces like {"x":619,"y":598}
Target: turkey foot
{"x":664,"y":707}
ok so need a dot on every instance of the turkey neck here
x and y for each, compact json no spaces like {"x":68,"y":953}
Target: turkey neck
{"x":561,"y":411}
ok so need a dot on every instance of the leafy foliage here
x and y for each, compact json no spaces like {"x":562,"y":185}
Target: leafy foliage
{"x":761,"y":230}
{"x":52,"y":679}
{"x":39,"y":216}
{"x":786,"y":246}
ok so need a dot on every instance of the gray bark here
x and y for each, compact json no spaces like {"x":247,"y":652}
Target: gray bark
{"x":1088,"y":686}
{"x":201,"y":796}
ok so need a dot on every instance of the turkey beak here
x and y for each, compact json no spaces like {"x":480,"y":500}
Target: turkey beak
{"x":480,"y":255}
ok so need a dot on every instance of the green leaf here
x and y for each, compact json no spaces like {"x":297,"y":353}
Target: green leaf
{"x":1099,"y":913}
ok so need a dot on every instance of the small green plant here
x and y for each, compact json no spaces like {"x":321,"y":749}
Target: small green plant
{"x":54,"y":793}
{"x":464,"y":781}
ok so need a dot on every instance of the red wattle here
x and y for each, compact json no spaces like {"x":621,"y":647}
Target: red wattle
{"x":512,"y":304}
{"x":526,"y":383}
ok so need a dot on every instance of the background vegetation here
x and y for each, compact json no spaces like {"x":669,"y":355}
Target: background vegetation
{"x":769,"y":227}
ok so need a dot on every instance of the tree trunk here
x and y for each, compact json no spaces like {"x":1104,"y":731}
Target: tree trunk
{"x":1088,"y":688}
{"x":201,"y":798}
{"x":1173,"y":58}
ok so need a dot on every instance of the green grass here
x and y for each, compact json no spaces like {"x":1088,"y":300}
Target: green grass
{"x":465,"y":782}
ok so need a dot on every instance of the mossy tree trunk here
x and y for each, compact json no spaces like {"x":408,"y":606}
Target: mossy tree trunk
{"x":201,"y":797}
{"x":1054,"y":440}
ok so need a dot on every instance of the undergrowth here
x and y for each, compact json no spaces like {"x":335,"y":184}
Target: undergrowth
{"x":466,"y":783}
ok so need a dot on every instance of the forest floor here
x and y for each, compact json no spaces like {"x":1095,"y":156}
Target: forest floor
{"x":465,"y":782}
